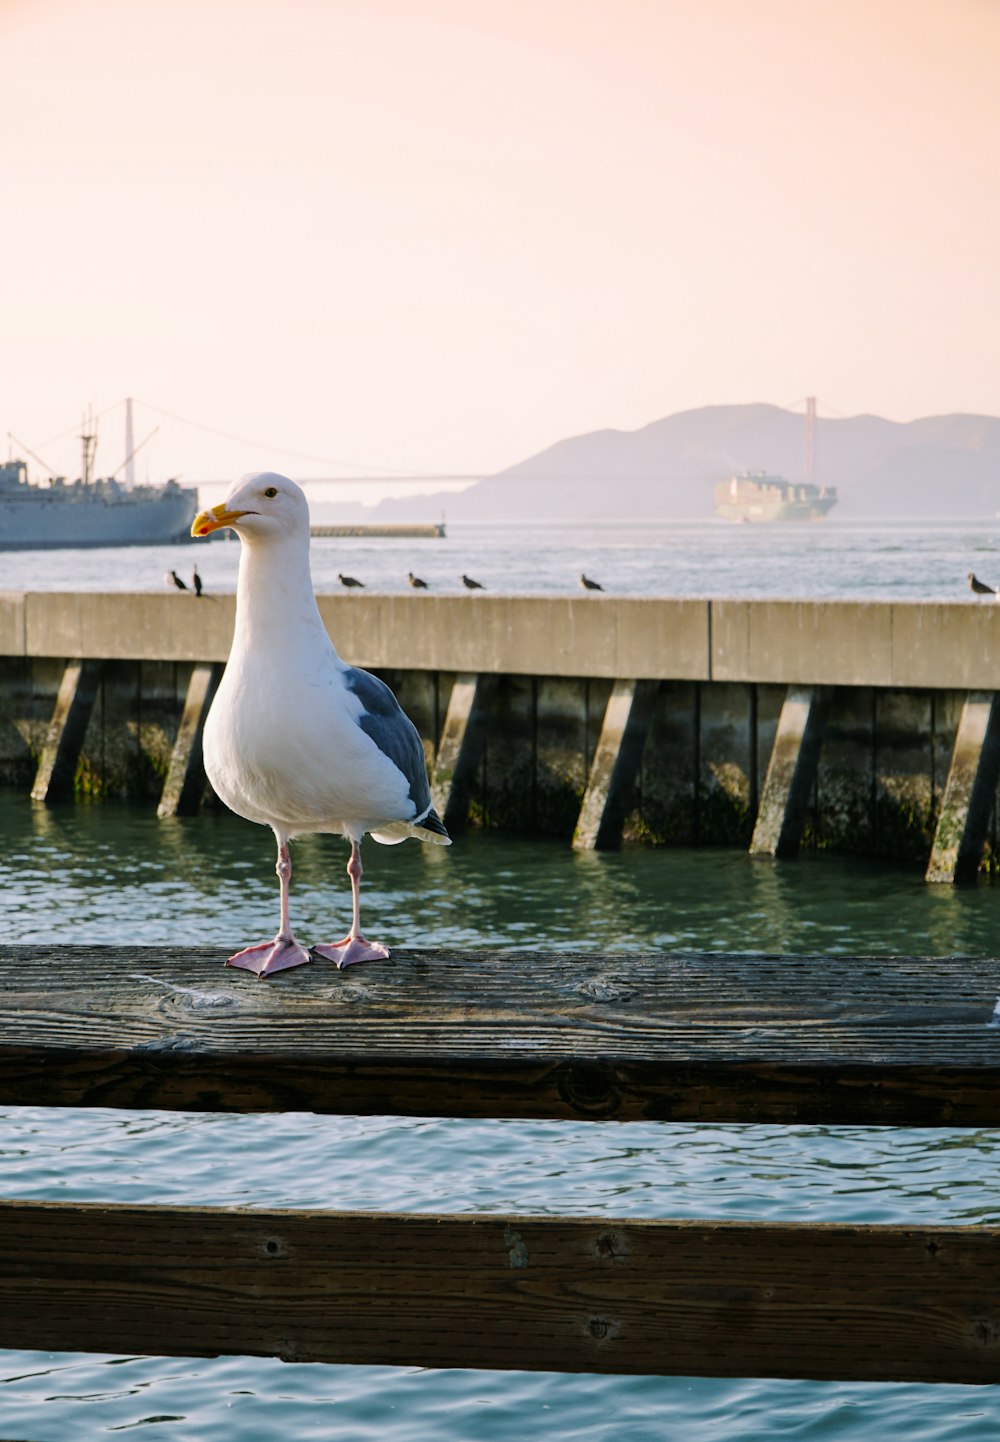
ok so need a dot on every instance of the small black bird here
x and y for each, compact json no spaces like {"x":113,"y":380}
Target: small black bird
{"x":416,"y":582}
{"x":589,"y":585}
{"x":196,"y":579}
{"x":980,"y":587}
{"x":472,"y":585}
{"x":348,"y":580}
{"x":181,"y":585}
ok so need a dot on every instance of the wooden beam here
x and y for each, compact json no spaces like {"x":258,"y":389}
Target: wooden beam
{"x":667,"y":1298}
{"x":615,"y":765}
{"x":67,"y":729}
{"x":791,"y":771}
{"x":185,"y":783}
{"x":675,"y":1037}
{"x":463,"y":737}
{"x":969,"y":792}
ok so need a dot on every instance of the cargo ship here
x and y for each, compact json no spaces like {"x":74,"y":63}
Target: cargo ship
{"x":89,"y":512}
{"x":756,"y":496}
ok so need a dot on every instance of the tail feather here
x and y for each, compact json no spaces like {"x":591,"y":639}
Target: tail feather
{"x":428,"y":828}
{"x":433,"y":822}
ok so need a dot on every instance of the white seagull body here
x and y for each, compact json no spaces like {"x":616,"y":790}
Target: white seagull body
{"x":296,"y":739}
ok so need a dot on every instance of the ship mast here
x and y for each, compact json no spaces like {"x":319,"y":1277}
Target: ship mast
{"x":88,"y":441}
{"x":129,"y":447}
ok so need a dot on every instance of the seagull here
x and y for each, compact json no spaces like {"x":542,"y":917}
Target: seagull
{"x":472,"y":585}
{"x":173,"y":576}
{"x":980,"y":587}
{"x":196,"y":580}
{"x":296,"y":739}
{"x":589,"y":585}
{"x":416,"y":582}
{"x":349,"y":580}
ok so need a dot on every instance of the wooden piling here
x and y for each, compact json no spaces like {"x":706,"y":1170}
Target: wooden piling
{"x":791,"y":771}
{"x":460,"y":749}
{"x":969,"y":792}
{"x":615,"y":765}
{"x":185,"y":783}
{"x":67,"y":729}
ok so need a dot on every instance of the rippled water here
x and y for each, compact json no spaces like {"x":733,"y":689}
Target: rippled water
{"x":78,"y":871}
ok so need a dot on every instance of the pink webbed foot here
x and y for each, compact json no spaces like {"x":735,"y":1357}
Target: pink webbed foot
{"x":268,"y":957}
{"x":351,"y":950}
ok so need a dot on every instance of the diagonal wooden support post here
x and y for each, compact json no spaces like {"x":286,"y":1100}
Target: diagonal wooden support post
{"x":64,"y":740}
{"x":969,"y":791}
{"x":791,"y":771}
{"x":460,"y":751}
{"x":615,"y":765}
{"x":185,"y":783}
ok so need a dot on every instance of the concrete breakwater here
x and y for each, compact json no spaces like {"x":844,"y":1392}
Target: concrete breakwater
{"x":860,"y":727}
{"x":428,"y":531}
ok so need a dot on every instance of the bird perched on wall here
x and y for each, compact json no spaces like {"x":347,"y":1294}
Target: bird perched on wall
{"x":296,"y":739}
{"x":349,"y":580}
{"x":472,"y":585}
{"x":416,"y":582}
{"x":589,"y":585}
{"x":172,"y":576}
{"x":196,"y":582}
{"x":980,"y":587}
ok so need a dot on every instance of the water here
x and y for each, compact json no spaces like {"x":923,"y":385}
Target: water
{"x":912,"y":562}
{"x":75,"y":872}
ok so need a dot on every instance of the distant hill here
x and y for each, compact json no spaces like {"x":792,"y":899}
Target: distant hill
{"x":939,"y":466}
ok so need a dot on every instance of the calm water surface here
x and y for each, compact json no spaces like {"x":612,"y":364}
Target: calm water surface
{"x":914,"y":561}
{"x":78,"y":871}
{"x":86,"y":873}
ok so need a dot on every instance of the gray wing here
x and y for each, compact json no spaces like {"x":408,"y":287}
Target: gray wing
{"x":385,"y":721}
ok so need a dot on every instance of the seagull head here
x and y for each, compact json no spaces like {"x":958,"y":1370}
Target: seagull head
{"x":260,"y":506}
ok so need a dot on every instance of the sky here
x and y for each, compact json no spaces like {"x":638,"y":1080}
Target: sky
{"x":378,"y":237}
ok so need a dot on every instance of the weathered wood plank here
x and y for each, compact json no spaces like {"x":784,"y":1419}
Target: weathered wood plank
{"x":676,"y":1037}
{"x":704,"y":1298}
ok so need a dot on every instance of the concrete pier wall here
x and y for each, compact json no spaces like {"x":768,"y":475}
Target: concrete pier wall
{"x":837,"y":643}
{"x":900,"y":675}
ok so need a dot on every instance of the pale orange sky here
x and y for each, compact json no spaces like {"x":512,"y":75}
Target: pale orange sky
{"x":442,"y":235}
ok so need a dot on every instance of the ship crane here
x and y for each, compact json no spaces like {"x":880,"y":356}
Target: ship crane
{"x":29,"y":452}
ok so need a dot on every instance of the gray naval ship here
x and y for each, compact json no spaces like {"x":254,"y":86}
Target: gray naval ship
{"x":90,"y":511}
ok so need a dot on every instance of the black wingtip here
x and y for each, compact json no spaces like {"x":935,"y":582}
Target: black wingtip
{"x":433,"y":822}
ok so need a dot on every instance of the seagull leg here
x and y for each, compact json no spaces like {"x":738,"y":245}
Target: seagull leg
{"x":284,"y":951}
{"x":354,"y":947}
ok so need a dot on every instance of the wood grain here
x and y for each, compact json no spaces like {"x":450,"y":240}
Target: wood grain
{"x":676,"y":1037}
{"x":538,"y":1293}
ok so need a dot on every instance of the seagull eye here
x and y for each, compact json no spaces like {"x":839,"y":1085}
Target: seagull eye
{"x":271,"y":492}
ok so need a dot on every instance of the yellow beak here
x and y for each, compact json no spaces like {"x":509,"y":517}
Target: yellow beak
{"x":218,"y":516}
